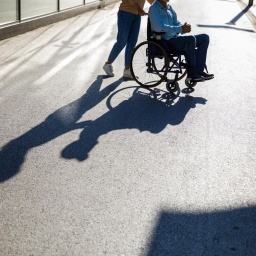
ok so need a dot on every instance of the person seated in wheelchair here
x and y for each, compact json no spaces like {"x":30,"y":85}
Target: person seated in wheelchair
{"x":194,"y":47}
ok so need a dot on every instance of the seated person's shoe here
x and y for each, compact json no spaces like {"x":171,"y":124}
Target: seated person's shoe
{"x":195,"y":77}
{"x":205,"y":75}
{"x":127,"y":74}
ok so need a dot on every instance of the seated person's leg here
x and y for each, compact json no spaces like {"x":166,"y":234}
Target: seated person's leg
{"x":187,"y":44}
{"x":202,"y":43}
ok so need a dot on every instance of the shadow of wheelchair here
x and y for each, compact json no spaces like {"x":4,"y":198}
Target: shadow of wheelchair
{"x":133,"y":108}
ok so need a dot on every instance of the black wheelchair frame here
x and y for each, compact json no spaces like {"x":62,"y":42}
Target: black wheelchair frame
{"x":155,"y":61}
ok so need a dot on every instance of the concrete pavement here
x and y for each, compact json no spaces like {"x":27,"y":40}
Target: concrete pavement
{"x":92,"y":165}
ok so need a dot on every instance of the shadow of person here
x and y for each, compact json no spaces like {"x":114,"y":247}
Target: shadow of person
{"x":139,"y":112}
{"x":63,"y":120}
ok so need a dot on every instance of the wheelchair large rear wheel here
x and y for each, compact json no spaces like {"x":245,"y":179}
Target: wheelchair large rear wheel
{"x":149,"y":64}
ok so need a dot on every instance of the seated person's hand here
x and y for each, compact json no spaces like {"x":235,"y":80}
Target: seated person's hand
{"x":186,"y":28}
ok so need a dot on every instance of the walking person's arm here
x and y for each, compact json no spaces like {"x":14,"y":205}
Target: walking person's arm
{"x":141,"y":12}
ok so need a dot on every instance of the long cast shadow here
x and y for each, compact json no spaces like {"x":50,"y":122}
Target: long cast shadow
{"x":231,"y":22}
{"x":220,"y":233}
{"x":239,"y":15}
{"x":63,"y":120}
{"x":141,"y":111}
{"x":226,"y":27}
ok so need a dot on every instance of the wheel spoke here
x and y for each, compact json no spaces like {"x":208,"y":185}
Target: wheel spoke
{"x":147,"y":67}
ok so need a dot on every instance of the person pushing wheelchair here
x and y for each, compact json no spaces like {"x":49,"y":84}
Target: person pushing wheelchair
{"x":164,"y":19}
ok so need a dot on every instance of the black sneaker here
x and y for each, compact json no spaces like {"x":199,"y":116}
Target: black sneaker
{"x":194,"y":78}
{"x":205,"y":75}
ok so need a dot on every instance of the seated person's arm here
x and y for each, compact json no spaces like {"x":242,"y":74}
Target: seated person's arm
{"x":159,"y":25}
{"x":176,"y":21}
{"x":186,"y":28}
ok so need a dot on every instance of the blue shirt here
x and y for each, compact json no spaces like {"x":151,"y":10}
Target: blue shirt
{"x":164,"y":20}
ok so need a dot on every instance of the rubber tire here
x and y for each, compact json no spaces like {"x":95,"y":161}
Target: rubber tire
{"x":162,"y":77}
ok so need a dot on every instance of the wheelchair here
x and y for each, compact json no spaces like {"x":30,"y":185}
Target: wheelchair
{"x":155,"y":61}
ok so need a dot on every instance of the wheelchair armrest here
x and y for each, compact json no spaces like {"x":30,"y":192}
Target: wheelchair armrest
{"x":158,"y":34}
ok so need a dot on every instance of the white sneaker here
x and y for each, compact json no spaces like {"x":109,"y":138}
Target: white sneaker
{"x":127,"y":74}
{"x":108,"y":69}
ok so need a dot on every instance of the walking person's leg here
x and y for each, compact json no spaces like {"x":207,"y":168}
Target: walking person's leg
{"x":124,"y":22}
{"x":121,"y":39}
{"x":132,"y":39}
{"x":131,"y":43}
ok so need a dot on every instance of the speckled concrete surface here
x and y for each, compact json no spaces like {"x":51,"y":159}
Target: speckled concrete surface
{"x":92,"y":165}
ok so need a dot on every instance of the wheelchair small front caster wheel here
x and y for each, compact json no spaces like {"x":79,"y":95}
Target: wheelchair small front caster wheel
{"x":190,"y":83}
{"x":172,"y":86}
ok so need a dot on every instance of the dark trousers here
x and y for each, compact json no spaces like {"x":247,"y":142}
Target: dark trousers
{"x":194,"y":48}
